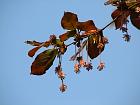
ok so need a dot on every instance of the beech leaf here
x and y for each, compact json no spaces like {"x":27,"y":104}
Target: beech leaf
{"x":86,"y":26}
{"x":69,"y":21}
{"x":32,"y":52}
{"x":122,"y":17}
{"x":135,"y":19}
{"x":67,"y":35}
{"x":93,"y":42}
{"x":43,"y":62}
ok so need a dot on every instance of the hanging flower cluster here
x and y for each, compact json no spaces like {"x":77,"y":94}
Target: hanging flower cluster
{"x":81,"y":63}
{"x":86,"y":36}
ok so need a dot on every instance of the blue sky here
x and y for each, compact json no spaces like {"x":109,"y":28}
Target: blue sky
{"x":21,"y":20}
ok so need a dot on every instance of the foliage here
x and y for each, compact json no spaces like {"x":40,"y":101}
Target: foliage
{"x":85,"y":36}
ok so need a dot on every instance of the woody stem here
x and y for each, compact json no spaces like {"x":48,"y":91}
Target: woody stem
{"x":110,"y":22}
{"x":70,"y":44}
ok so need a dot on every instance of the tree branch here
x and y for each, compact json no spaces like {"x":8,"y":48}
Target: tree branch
{"x":110,"y":22}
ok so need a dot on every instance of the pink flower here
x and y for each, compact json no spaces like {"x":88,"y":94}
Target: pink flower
{"x":100,"y":45}
{"x":101,"y":66}
{"x":82,"y":62}
{"x":137,"y":9}
{"x":88,"y":66}
{"x":59,"y":72}
{"x":63,"y":88}
{"x":76,"y":68}
{"x":105,"y":40}
{"x":127,"y":37}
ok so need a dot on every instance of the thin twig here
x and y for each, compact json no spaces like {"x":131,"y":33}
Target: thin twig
{"x":111,"y":22}
{"x":70,"y":44}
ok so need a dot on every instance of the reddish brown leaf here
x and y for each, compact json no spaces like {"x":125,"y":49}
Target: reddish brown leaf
{"x":67,"y":35}
{"x":64,"y":37}
{"x":32,"y":52}
{"x":69,"y":21}
{"x":122,"y":17}
{"x":93,"y":49}
{"x":135,"y":19}
{"x":43,"y":62}
{"x":90,"y":32}
{"x":47,"y":44}
{"x":86,"y":26}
